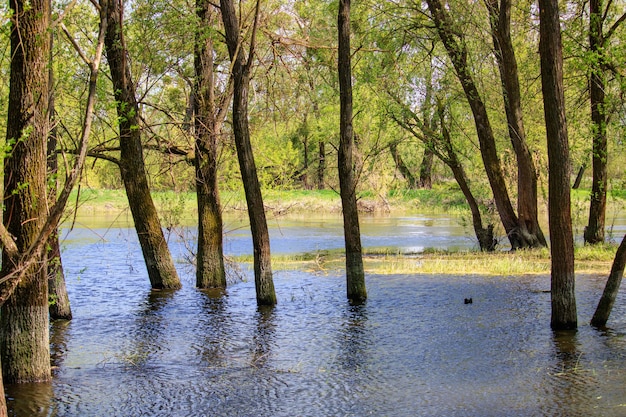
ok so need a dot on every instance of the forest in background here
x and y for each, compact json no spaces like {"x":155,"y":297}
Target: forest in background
{"x":400,"y":68}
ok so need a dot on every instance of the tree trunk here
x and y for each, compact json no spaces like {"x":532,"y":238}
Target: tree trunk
{"x":579,"y":176}
{"x":3,"y":401}
{"x":401,"y":166}
{"x":355,"y":274}
{"x":158,"y":259}
{"x":210,"y":271}
{"x":484,"y":235}
{"x":594,"y":232}
{"x":321,"y":165}
{"x":24,"y":316}
{"x":457,"y":52}
{"x":603,"y":311}
{"x":240,"y":74}
{"x":529,"y":230}
{"x":426,"y":168}
{"x":559,"y":207}
{"x":57,"y":292}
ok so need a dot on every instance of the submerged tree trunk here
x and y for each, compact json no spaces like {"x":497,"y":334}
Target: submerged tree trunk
{"x":158,"y":259}
{"x":594,"y":232}
{"x":240,"y":74}
{"x":603,"y":311}
{"x":528,"y":229}
{"x":564,"y":315}
{"x":57,"y":292}
{"x":210,"y":271}
{"x":24,"y":340}
{"x":355,"y":274}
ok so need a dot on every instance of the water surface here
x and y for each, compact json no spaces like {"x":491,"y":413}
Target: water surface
{"x":413,"y":349}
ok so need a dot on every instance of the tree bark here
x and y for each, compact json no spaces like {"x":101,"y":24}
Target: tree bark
{"x":603,"y":311}
{"x":240,"y":74}
{"x":210,"y":271}
{"x":594,"y":232}
{"x":564,"y":315}
{"x":355,"y":274}
{"x":528,"y":224}
{"x":457,"y":52}
{"x":157,"y":257}
{"x":24,"y":316}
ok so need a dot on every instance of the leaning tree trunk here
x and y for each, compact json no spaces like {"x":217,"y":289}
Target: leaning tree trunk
{"x":529,"y":231}
{"x":603,"y":311}
{"x":457,"y":51}
{"x":241,"y":68}
{"x":57,"y":290}
{"x":24,"y":341}
{"x":564,"y":315}
{"x":355,"y":274}
{"x":157,"y":257}
{"x":594,"y":232}
{"x":579,"y":176}
{"x":210,"y":271}
{"x":401,"y":165}
{"x":484,"y":234}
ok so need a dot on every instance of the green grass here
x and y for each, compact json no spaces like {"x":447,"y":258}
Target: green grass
{"x":439,"y":262}
{"x":442,"y":198}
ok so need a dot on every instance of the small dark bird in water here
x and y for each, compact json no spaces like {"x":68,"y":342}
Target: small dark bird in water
{"x":468,"y":301}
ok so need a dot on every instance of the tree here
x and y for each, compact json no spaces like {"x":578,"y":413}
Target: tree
{"x":57,"y":291}
{"x":563,"y":295}
{"x":209,"y":117}
{"x":24,"y":316}
{"x":598,"y":67}
{"x":25,"y":355}
{"x":605,"y":305}
{"x":157,"y":257}
{"x":241,"y":74}
{"x":440,"y":144}
{"x":456,"y":48}
{"x":355,"y":274}
{"x":528,"y":223}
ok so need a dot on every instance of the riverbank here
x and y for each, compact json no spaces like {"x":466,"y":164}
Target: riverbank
{"x":440,"y":199}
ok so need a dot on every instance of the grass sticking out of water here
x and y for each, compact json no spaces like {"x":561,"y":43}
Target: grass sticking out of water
{"x":438,"y":262}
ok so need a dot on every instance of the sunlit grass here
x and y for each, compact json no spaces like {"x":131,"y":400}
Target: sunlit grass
{"x":438,"y":262}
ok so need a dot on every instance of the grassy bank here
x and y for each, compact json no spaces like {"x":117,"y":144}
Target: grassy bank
{"x":441,"y":199}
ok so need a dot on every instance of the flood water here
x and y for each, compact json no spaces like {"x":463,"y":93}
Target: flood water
{"x":413,"y":349}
